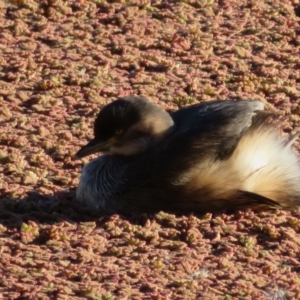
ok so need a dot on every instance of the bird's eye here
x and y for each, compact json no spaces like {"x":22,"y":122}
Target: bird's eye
{"x":119,"y":131}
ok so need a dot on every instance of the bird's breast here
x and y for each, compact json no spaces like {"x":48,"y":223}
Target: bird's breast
{"x":99,"y":183}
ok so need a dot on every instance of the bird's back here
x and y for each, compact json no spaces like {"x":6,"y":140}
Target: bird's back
{"x":203,"y":132}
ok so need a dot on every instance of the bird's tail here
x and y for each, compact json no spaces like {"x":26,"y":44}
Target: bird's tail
{"x":262,"y":172}
{"x":267,"y":165}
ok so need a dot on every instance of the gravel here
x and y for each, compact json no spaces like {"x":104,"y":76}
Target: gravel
{"x":60,"y":62}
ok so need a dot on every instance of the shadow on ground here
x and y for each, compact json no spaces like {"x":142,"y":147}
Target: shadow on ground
{"x":55,"y":208}
{"x":45,"y":209}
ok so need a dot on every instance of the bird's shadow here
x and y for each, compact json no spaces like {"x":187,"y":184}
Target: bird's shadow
{"x":54,"y":208}
{"x":62,"y":206}
{"x":19,"y":216}
{"x":32,"y":217}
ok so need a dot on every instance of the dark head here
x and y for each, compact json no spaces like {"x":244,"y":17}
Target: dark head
{"x":127,"y":126}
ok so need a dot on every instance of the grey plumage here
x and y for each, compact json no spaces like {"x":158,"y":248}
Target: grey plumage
{"x":206,"y":157}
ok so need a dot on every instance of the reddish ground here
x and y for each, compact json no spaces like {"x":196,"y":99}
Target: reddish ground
{"x":60,"y":62}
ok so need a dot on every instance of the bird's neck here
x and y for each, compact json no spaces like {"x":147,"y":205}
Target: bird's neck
{"x":101,"y":180}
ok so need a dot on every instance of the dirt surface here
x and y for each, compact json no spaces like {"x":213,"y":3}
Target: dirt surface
{"x":60,"y":62}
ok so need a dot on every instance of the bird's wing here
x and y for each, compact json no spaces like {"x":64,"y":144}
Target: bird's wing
{"x":214,"y":127}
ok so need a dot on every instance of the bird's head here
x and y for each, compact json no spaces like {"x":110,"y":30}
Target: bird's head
{"x":127,"y":126}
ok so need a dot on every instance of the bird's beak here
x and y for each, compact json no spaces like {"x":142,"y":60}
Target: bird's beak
{"x":92,"y":147}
